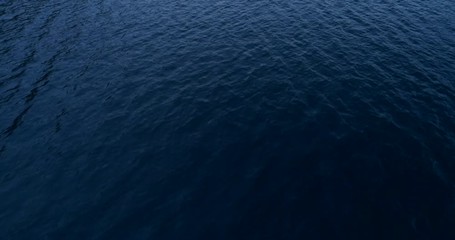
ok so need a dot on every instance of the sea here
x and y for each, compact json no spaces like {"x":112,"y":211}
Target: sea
{"x":227,"y":119}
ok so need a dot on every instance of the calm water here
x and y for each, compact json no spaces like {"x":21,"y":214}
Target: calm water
{"x":243,"y":119}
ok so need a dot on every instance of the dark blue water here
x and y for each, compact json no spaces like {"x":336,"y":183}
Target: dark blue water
{"x":243,"y":119}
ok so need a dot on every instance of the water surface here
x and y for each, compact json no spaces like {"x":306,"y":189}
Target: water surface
{"x":243,"y":119}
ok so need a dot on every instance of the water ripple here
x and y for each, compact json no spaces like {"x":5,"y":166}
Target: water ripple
{"x":227,"y":119}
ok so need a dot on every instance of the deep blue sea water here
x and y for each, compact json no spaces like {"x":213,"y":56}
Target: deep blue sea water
{"x":216,"y":119}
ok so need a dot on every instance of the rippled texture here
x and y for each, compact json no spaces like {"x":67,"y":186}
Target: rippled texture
{"x":227,"y":119}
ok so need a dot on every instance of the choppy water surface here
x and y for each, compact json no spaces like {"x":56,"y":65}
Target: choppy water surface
{"x":227,"y":119}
